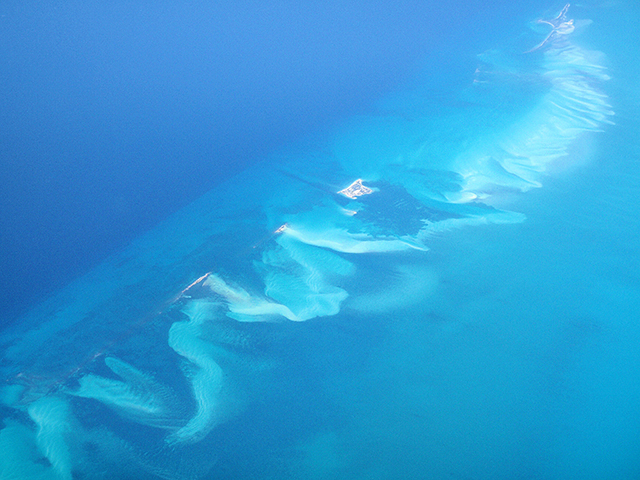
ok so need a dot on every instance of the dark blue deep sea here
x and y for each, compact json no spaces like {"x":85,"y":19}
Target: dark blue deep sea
{"x":320,"y":240}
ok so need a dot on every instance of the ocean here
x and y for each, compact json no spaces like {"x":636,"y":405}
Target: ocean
{"x":351,"y":240}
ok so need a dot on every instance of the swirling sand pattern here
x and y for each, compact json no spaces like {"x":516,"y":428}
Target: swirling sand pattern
{"x":308,"y":265}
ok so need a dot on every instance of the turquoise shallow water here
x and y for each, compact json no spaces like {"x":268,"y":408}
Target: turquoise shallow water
{"x":472,"y":316}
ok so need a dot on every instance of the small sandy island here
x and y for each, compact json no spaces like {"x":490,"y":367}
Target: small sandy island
{"x":356,"y":189}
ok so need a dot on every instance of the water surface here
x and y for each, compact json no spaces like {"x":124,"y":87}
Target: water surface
{"x":471,"y":315}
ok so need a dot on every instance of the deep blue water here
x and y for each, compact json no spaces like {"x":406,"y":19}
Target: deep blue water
{"x":114,"y":116}
{"x":473,"y":316}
